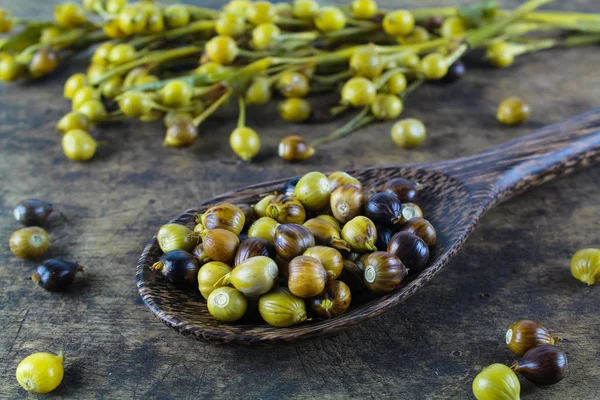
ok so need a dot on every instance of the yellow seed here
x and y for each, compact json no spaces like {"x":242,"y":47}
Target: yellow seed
{"x":585,"y":266}
{"x":245,"y":142}
{"x":221,"y":49}
{"x":41,"y":372}
{"x":73,"y":84}
{"x":512,"y":111}
{"x":497,"y":382}
{"x":78,"y":145}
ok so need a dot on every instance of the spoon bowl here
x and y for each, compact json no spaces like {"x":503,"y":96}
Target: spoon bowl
{"x":454,"y":196}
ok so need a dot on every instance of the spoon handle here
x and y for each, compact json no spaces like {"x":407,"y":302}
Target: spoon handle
{"x":499,"y":173}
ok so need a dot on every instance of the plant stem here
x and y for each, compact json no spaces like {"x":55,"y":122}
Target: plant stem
{"x":361,"y":119}
{"x":555,"y":16}
{"x":424,"y":13}
{"x":329,"y":79}
{"x":456,"y":54}
{"x":359,"y":23}
{"x":242,"y":115}
{"x":382,"y":79}
{"x":350,"y":31}
{"x":337,"y":110}
{"x":211,"y":109}
{"x":414,"y":85}
{"x":581,"y":40}
{"x":152,"y":58}
{"x":307,"y":36}
{"x":203,"y":13}
{"x":292,"y":21}
{"x":194,"y":27}
{"x":481,"y":35}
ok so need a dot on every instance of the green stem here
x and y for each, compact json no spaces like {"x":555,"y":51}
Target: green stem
{"x":194,"y":27}
{"x":321,"y":88}
{"x":382,"y":79}
{"x":581,"y":40}
{"x":361,"y":119}
{"x":99,"y":9}
{"x":201,"y":91}
{"x":307,"y":36}
{"x":350,"y":31}
{"x":239,"y":81}
{"x":253,"y":55}
{"x":424,"y":13}
{"x":203,"y":13}
{"x":339,"y":109}
{"x":555,"y":16}
{"x":414,"y":85}
{"x":456,"y":54}
{"x":481,"y":35}
{"x":152,"y":58}
{"x":329,"y":79}
{"x":242,"y":116}
{"x":211,"y":109}
{"x":293,"y":22}
{"x":341,"y":56}
{"x":540,"y":45}
{"x":359,"y":23}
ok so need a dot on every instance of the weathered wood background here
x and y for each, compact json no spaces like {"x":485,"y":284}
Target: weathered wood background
{"x":515,"y":265}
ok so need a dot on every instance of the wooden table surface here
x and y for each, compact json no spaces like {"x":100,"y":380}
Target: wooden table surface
{"x":515,"y":265}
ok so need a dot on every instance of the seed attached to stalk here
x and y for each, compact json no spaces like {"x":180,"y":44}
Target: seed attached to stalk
{"x":434,"y":66}
{"x":245,"y":142}
{"x":305,"y":9}
{"x":264,"y":36}
{"x":500,"y":55}
{"x":221,"y":49}
{"x":365,"y":62}
{"x":398,"y":23}
{"x":261,"y":12}
{"x":386,"y":107}
{"x":43,"y":62}
{"x":359,"y":92}
{"x":330,"y":19}
{"x":363,"y":9}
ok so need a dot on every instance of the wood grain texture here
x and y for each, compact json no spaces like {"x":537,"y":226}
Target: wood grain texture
{"x":454,"y":195}
{"x":515,"y":264}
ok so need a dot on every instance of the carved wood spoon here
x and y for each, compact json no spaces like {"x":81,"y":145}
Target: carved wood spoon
{"x":455,"y":194}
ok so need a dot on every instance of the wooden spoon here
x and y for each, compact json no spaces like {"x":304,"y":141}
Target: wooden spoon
{"x":455,"y":194}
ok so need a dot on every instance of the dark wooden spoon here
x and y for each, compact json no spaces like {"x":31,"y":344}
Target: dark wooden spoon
{"x":455,"y":194}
